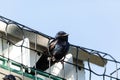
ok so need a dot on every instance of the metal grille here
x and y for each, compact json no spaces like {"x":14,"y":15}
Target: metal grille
{"x":109,"y":72}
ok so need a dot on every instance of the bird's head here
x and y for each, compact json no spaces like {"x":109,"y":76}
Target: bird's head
{"x":9,"y":77}
{"x":62,"y":35}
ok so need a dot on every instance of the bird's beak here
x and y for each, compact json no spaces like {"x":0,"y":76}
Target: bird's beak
{"x":65,"y":35}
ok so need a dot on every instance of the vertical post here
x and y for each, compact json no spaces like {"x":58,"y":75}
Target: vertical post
{"x":6,"y":33}
{"x":77,"y":64}
{"x":23,"y":37}
{"x":35,"y":56}
{"x":49,"y":59}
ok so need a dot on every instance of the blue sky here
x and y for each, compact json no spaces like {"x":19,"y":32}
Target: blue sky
{"x":94,"y":24}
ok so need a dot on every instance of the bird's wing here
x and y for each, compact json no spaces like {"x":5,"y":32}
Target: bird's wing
{"x":52,"y":44}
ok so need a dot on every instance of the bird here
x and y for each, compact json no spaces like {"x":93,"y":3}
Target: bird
{"x":9,"y":77}
{"x":56,"y":52}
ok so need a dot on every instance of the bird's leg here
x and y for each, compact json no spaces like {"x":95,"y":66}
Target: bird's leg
{"x":62,"y":60}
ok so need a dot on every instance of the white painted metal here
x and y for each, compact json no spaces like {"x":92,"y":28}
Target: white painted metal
{"x":69,"y":71}
{"x":17,"y":53}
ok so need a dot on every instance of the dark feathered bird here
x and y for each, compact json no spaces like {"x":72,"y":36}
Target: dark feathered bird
{"x":58,"y":48}
{"x":9,"y":77}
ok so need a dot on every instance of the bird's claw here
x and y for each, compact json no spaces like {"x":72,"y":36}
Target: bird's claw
{"x":49,"y":58}
{"x":53,"y":59}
